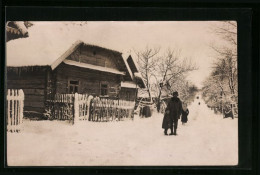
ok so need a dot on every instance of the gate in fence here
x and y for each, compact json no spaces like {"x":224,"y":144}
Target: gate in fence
{"x":15,"y":105}
{"x":82,"y":106}
{"x":71,"y":107}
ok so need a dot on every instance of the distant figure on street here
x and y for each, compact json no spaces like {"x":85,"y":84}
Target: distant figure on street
{"x":184,"y":114}
{"x":228,"y":112}
{"x":172,"y":114}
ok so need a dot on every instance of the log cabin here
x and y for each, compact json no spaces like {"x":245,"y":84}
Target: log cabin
{"x":83,"y":68}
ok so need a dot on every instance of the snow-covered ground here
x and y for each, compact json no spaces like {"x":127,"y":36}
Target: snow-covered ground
{"x":207,"y":139}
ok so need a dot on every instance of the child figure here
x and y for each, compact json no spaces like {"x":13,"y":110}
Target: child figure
{"x":184,"y":114}
{"x":166,"y":122}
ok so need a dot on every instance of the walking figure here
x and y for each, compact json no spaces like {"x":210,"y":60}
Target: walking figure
{"x":228,"y":112}
{"x":184,"y":114}
{"x":172,"y":114}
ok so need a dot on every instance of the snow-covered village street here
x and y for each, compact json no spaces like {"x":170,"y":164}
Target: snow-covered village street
{"x":207,"y":139}
{"x":86,"y":93}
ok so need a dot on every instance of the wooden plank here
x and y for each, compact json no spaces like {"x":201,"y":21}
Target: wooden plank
{"x":33,"y":91}
{"x":34,"y":109}
{"x":8,"y":111}
{"x":34,"y":98}
{"x":87,"y":59}
{"x":12,"y":108}
{"x":33,"y":104}
{"x":18,"y":112}
{"x":28,"y":76}
{"x":12,"y":84}
{"x":29,"y":81}
{"x":72,"y":71}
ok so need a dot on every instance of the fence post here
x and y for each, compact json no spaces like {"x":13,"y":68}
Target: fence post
{"x":89,"y":107}
{"x":8,"y":110}
{"x":12,"y":108}
{"x":76,"y":108}
{"x":21,"y":106}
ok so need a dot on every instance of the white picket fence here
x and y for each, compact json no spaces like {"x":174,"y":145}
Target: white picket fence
{"x":15,"y":105}
{"x":77,"y":107}
{"x":81,"y":107}
{"x":72,"y":107}
{"x":109,"y":110}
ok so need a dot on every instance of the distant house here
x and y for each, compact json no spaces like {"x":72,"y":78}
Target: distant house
{"x":83,"y":68}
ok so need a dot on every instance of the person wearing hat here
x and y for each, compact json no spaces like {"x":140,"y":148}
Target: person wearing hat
{"x":173,"y":113}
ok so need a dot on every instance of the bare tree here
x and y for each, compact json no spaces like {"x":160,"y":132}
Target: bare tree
{"x":227,"y":31}
{"x":162,"y":72}
{"x":224,"y":74}
{"x":171,"y":68}
{"x":147,"y":61}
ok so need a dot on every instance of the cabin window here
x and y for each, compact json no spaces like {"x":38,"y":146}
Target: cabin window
{"x":104,"y":89}
{"x":73,"y":86}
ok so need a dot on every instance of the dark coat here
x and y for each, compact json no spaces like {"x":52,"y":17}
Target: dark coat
{"x":184,"y":116}
{"x":175,"y":108}
{"x":166,"y":121}
{"x":228,"y":113}
{"x":172,"y":112}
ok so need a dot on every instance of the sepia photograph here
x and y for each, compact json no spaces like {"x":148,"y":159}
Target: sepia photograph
{"x":121,"y":93}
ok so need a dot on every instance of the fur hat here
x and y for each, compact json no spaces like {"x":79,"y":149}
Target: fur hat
{"x":175,"y":94}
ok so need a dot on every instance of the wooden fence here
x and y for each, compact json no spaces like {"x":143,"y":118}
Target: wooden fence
{"x":82,"y":106}
{"x":71,"y":107}
{"x":15,"y":105}
{"x":76,"y":107}
{"x":109,"y":110}
{"x":60,"y":107}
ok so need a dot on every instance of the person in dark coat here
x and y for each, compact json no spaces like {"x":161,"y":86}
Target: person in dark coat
{"x":184,"y":114}
{"x":166,"y":122}
{"x":228,"y":112}
{"x":172,"y":114}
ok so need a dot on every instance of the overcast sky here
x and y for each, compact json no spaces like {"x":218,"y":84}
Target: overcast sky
{"x":49,"y":39}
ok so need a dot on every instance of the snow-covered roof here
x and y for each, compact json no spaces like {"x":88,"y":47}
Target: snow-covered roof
{"x":127,"y":66}
{"x":48,"y":41}
{"x":16,"y":27}
{"x":128,"y":84}
{"x":138,"y":75}
{"x":66,"y":54}
{"x":55,"y":62}
{"x":40,"y":55}
{"x":93,"y":67}
{"x":131,"y":58}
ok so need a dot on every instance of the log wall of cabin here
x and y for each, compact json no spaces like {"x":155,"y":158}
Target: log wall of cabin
{"x":89,"y":80}
{"x":94,"y":56}
{"x":32,"y":80}
{"x":100,"y":57}
{"x":128,"y":94}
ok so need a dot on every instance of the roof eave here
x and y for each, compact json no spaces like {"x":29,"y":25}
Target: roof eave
{"x":93,"y":67}
{"x":128,"y":68}
{"x":57,"y":62}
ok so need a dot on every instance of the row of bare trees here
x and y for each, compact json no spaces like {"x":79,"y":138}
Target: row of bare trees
{"x":220,"y":88}
{"x":164,"y":72}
